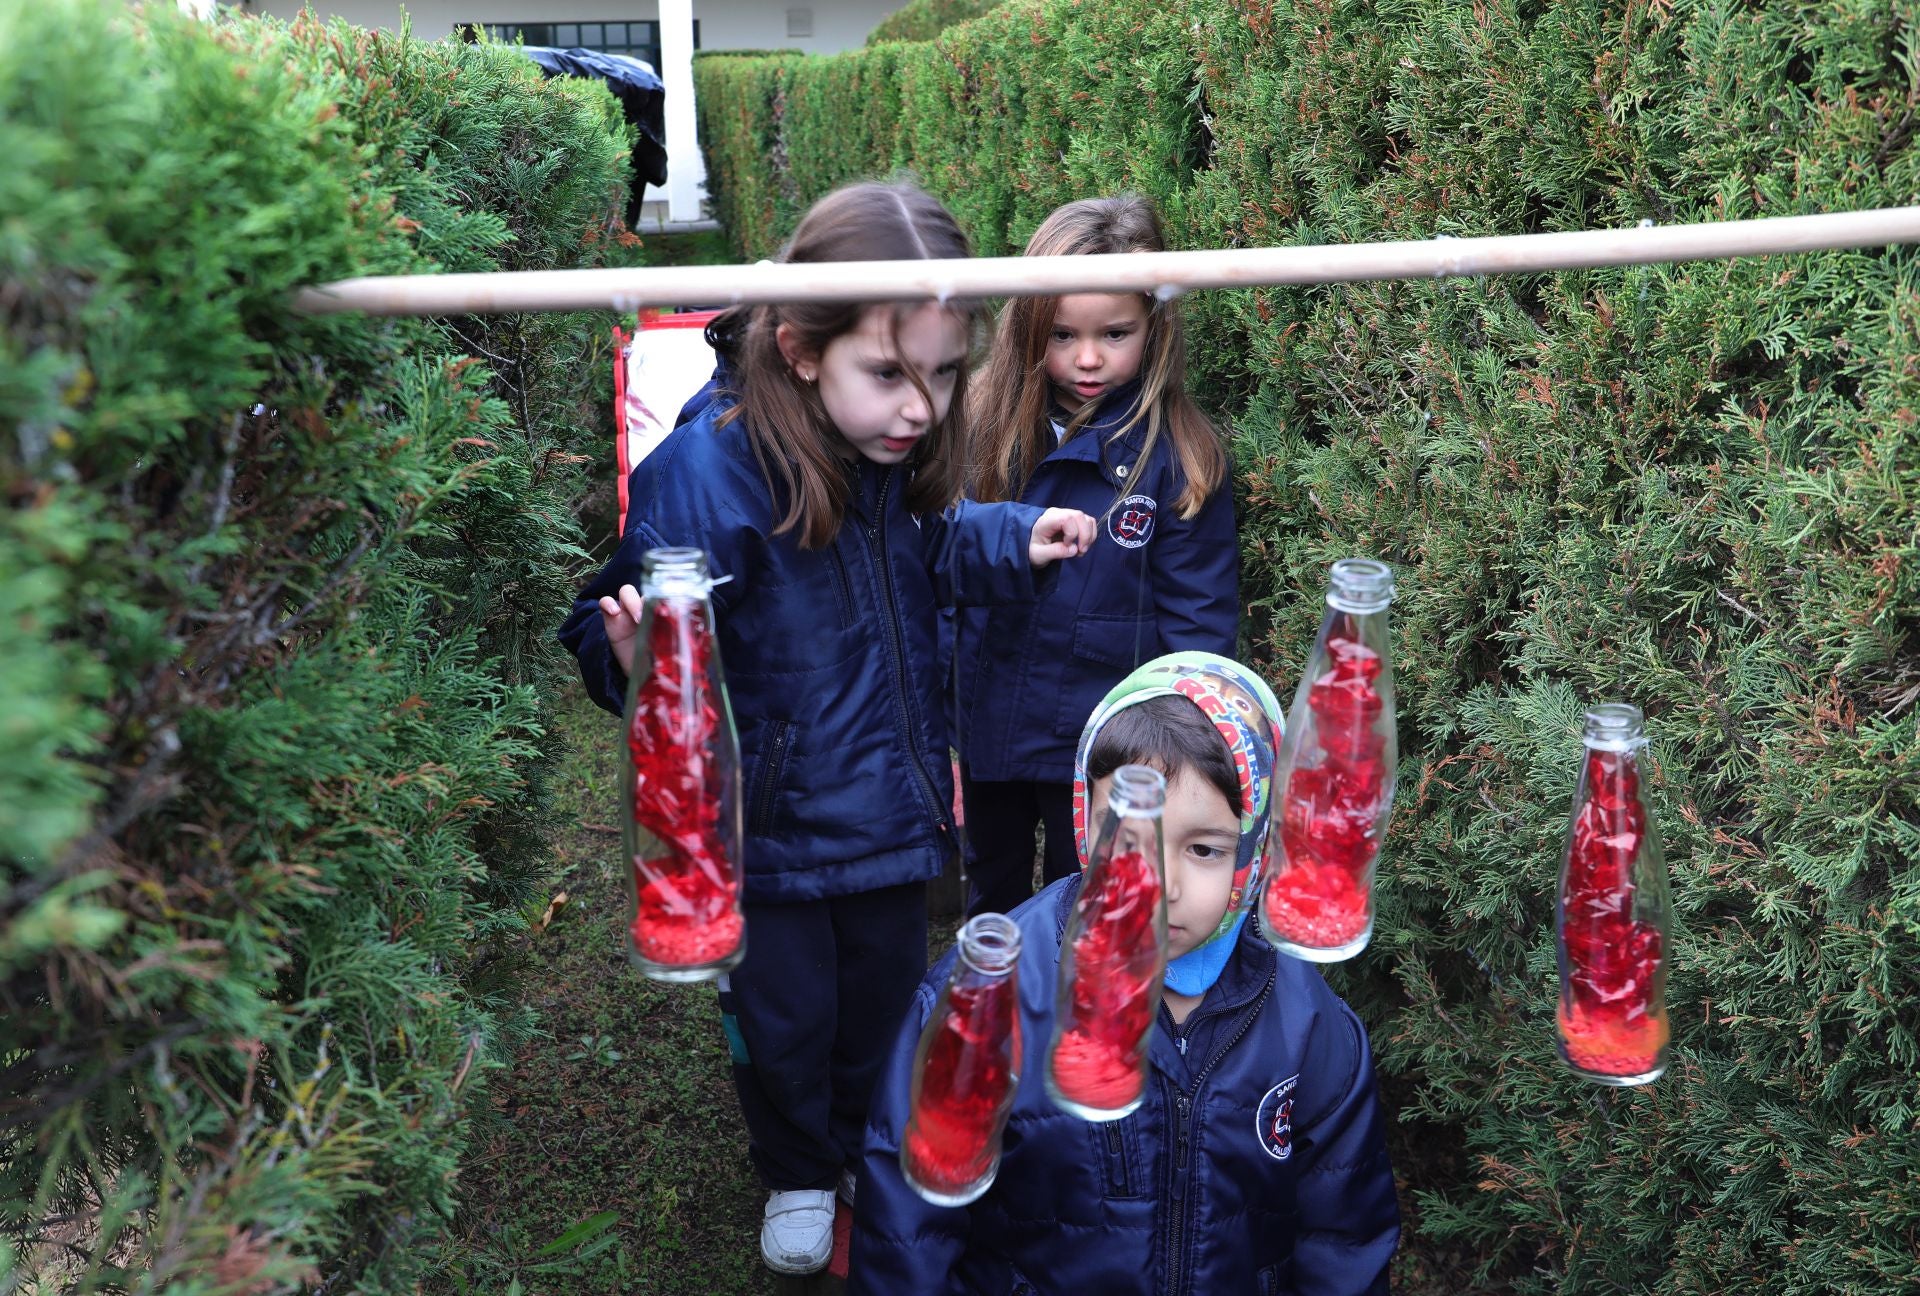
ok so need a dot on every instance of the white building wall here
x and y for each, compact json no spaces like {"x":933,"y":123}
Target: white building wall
{"x":724,"y":24}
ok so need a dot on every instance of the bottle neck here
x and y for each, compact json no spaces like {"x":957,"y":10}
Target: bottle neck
{"x":1360,"y":586}
{"x":990,"y":944}
{"x":674,"y":571}
{"x":674,"y":587}
{"x":1615,"y":727}
{"x":1137,"y":792}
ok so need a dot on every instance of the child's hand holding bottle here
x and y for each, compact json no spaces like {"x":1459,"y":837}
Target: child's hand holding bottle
{"x":622,"y":622}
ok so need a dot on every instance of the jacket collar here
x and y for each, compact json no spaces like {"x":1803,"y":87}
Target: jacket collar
{"x":863,"y":486}
{"x":1094,"y":442}
{"x":1242,"y":981}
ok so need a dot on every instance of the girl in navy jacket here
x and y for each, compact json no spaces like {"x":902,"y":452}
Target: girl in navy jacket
{"x":1083,"y":403}
{"x":1257,"y":1162}
{"x":815,"y":472}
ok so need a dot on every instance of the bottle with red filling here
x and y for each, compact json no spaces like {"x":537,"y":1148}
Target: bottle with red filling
{"x":966,"y":1069}
{"x":683,"y":826}
{"x":1334,"y":775}
{"x":1613,"y":914}
{"x":1113,"y":958}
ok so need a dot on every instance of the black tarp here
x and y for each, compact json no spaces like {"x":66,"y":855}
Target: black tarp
{"x":642,"y":98}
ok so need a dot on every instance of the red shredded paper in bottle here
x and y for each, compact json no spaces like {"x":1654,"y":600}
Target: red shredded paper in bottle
{"x":1320,"y":899}
{"x":967,"y":1082}
{"x":1609,"y":1020}
{"x":687,"y":913}
{"x":1096,"y":1061}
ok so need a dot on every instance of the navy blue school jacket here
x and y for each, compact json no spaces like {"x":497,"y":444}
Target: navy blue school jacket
{"x":1029,"y":676}
{"x":829,"y":654}
{"x":1257,"y":1163}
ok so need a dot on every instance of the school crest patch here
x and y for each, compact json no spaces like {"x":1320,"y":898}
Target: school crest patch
{"x":1131,"y":522}
{"x":1273,"y":1123}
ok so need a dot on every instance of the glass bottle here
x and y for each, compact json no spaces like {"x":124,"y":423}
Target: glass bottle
{"x":966,"y":1069}
{"x":1613,"y":913}
{"x":1114,"y":957}
{"x":1335,"y":775}
{"x":683,"y":821}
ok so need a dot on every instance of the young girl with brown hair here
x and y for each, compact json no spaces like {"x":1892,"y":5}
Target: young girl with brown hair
{"x":818,"y":472}
{"x":1083,"y":404}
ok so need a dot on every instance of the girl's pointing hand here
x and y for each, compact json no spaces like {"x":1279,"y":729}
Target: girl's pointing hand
{"x":1060,"y":533}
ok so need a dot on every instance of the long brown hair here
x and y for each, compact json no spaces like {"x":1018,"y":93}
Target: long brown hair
{"x":1014,"y":398}
{"x":799,"y":450}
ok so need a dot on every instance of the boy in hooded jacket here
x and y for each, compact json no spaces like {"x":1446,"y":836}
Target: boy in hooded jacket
{"x":1257,"y":1162}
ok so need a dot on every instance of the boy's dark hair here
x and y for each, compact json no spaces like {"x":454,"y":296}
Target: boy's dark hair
{"x":796,"y":444}
{"x":1171,"y":734}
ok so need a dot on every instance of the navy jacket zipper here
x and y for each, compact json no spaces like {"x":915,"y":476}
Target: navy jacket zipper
{"x":899,"y":656}
{"x":1183,"y":1126}
{"x":1177,"y":1211}
{"x":842,"y":586}
{"x":770,"y":770}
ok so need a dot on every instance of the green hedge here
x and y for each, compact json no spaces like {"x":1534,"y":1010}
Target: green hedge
{"x":1696,"y":487}
{"x":919,"y":20}
{"x":276,"y":599}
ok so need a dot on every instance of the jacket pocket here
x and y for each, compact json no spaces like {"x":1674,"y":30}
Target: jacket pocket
{"x":1113,"y":1142}
{"x":1123,"y":641}
{"x":773,"y":772}
{"x":842,"y":585}
{"x":1104,"y":649}
{"x":1274,"y":1278}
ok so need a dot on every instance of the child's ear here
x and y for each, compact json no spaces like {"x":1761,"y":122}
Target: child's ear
{"x":804,"y":364}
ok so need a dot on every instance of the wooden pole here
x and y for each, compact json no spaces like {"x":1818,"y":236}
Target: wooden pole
{"x":1164,"y":273}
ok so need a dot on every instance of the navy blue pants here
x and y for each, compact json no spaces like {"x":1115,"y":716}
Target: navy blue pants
{"x":1000,"y":823}
{"x":811,"y":1013}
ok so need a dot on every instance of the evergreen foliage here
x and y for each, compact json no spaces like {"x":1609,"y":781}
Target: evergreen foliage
{"x":919,"y":20}
{"x":276,"y":596}
{"x":1694,"y":487}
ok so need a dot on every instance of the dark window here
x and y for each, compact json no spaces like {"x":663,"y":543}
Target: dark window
{"x":640,"y":39}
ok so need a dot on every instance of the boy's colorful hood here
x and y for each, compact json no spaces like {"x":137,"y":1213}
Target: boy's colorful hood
{"x":1250,"y":721}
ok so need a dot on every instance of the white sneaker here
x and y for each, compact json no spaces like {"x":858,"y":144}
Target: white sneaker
{"x":797,"y":1237}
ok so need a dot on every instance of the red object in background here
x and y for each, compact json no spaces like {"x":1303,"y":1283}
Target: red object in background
{"x":656,"y":369}
{"x":683,"y":823}
{"x":1613,"y":914}
{"x":1114,"y":958}
{"x":1331,"y":815}
{"x":966,"y":1070}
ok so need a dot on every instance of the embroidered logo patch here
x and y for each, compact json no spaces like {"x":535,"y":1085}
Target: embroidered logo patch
{"x":1273,"y":1123}
{"x":1131,"y":522}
